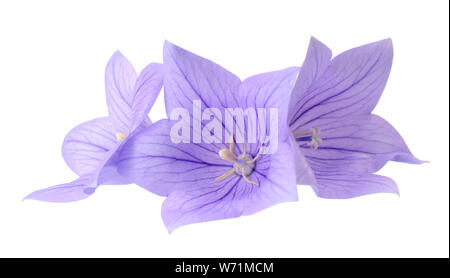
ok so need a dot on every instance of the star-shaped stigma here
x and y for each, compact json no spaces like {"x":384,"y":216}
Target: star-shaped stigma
{"x":243,"y":164}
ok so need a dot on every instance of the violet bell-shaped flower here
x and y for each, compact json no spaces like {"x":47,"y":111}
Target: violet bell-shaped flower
{"x":213,"y":171}
{"x":339,"y":144}
{"x":90,"y":149}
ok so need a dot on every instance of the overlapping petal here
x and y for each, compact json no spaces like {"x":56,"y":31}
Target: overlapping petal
{"x":120,"y":80}
{"x":269,"y":90}
{"x":272,"y":90}
{"x":69,"y":192}
{"x":146,"y":90}
{"x":104,"y":173}
{"x":350,"y":186}
{"x":357,"y":145}
{"x":233,"y":197}
{"x":189,"y":77}
{"x":152,"y":161}
{"x":86,"y":145}
{"x":317,"y":60}
{"x":351,"y":85}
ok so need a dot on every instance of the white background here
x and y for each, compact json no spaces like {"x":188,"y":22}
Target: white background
{"x":52,"y":60}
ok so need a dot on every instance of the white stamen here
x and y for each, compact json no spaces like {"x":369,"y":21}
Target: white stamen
{"x":315,"y":140}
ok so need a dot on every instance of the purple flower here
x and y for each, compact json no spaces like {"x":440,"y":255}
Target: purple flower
{"x":330,"y":118}
{"x":91,"y":148}
{"x":206,"y":181}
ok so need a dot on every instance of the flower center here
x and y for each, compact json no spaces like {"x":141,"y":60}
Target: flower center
{"x":312,"y":138}
{"x":243,"y":164}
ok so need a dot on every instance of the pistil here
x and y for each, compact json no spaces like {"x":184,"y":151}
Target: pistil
{"x":243,"y":164}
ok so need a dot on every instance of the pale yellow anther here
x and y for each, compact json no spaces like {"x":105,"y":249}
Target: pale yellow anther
{"x":120,"y":136}
{"x":227,"y":155}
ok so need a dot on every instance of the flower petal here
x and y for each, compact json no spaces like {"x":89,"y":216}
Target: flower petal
{"x":189,"y":77}
{"x":147,"y":88}
{"x":234,"y":196}
{"x":357,"y":145}
{"x":68,"y":192}
{"x":269,"y":90}
{"x":86,"y":145}
{"x":266,"y":90}
{"x":351,"y":85}
{"x":347,"y":186}
{"x":120,"y":80}
{"x":91,"y":148}
{"x":152,"y":161}
{"x":316,"y":62}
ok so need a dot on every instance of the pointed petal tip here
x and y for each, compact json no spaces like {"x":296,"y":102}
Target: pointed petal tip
{"x":169,"y":45}
{"x":315,"y":40}
{"x":170,"y":227}
{"x":408,"y":158}
{"x":170,"y":49}
{"x":27,"y":197}
{"x":420,"y":161}
{"x":386,"y":43}
{"x":33,"y":196}
{"x":395,"y":190}
{"x":319,"y":47}
{"x":62,"y":193}
{"x":117,"y":54}
{"x":414,"y":160}
{"x":383,"y":44}
{"x":40,"y":195}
